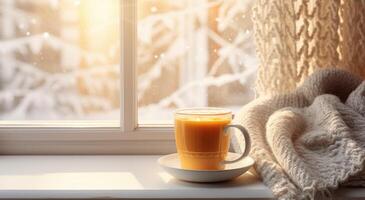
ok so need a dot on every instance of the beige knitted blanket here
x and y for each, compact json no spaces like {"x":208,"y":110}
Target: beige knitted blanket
{"x":308,"y":142}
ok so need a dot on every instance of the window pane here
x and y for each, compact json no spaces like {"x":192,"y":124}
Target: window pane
{"x":59,"y":59}
{"x":194,"y":53}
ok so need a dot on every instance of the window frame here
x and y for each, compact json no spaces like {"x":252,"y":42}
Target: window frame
{"x":96,"y":137}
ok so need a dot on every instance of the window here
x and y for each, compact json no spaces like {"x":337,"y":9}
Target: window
{"x":193,"y":53}
{"x":94,"y":76}
{"x":59,"y":60}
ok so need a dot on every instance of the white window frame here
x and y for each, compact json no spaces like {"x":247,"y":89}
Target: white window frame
{"x":96,"y":137}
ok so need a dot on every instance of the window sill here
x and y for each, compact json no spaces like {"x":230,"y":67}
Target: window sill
{"x":117,"y":177}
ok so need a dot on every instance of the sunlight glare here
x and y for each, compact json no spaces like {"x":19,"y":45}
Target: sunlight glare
{"x":72,"y":180}
{"x":99,"y":23}
{"x":165,"y":177}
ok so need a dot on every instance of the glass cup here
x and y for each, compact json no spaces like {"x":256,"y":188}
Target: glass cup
{"x":203,"y":137}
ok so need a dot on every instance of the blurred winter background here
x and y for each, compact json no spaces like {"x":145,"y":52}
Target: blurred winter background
{"x":59,"y":59}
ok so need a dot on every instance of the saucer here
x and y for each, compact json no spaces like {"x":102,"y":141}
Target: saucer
{"x":171,"y":164}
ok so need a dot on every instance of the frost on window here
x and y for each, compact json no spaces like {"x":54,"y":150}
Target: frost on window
{"x":194,"y":53}
{"x":59,"y":59}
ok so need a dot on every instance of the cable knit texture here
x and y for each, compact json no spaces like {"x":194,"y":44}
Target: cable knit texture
{"x":296,"y":37}
{"x":308,"y":141}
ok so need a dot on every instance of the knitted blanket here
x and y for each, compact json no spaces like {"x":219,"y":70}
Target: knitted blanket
{"x":308,"y":142}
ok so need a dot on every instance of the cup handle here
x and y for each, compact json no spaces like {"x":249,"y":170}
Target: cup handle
{"x":247,"y":142}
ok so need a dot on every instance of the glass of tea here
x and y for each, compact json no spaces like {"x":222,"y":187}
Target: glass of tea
{"x":203,"y":137}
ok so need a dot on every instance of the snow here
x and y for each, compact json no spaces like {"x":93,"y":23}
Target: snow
{"x":179,"y":53}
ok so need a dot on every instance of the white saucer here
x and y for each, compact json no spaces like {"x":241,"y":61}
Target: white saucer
{"x":171,"y":164}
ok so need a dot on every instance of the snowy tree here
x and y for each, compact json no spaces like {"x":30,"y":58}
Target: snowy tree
{"x":56,"y":65}
{"x":201,"y":52}
{"x":42,"y":70}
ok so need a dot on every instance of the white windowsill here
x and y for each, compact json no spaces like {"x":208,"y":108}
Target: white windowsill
{"x":116,"y":177}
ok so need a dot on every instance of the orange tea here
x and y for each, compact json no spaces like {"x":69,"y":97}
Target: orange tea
{"x":202,"y":138}
{"x":201,"y":143}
